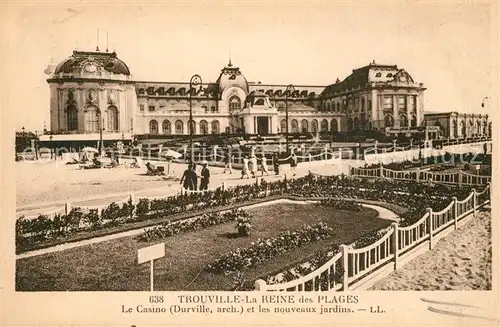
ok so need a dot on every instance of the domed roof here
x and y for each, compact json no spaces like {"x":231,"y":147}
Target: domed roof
{"x":231,"y":76}
{"x":109,"y":62}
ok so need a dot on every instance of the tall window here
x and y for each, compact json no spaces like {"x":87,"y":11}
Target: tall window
{"x":362,"y":104}
{"x":153,"y":127}
{"x":166,"y":127}
{"x":402,"y":102}
{"x":314,"y":126}
{"x":324,"y":125}
{"x":179,"y":127}
{"x":304,"y":126}
{"x":403,"y":121}
{"x":413,"y":121}
{"x":334,"y":126}
{"x":112,"y":113}
{"x":216,"y":127}
{"x":388,"y":102}
{"x":389,"y":121}
{"x":234,"y":103}
{"x":204,"y":127}
{"x":295,"y":126}
{"x":151,"y":108}
{"x":91,"y":119}
{"x":72,"y":118}
{"x":283,"y":126}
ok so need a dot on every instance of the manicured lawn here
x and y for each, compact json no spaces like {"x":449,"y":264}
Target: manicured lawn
{"x":112,"y":266}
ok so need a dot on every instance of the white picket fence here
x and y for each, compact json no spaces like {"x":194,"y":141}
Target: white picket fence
{"x":399,"y":244}
{"x":458,"y":178}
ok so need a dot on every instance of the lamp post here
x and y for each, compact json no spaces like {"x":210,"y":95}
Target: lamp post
{"x":36,"y":145}
{"x":193,"y":82}
{"x":51,"y":147}
{"x":289,"y":89}
{"x":101,"y":123}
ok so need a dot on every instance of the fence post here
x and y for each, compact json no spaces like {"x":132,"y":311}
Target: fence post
{"x":345,"y":265}
{"x":429,"y":223}
{"x":132,"y":198}
{"x":459,"y":178}
{"x":474,"y":201}
{"x":455,"y":211}
{"x":223,"y":186}
{"x":396,"y":243}
{"x":260,"y":285}
{"x":381,"y":170}
{"x":418,"y":175}
{"x":310,"y":160}
{"x":67,"y":208}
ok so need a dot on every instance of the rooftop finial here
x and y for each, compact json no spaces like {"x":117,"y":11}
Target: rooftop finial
{"x":373,"y":62}
{"x":107,"y":40}
{"x":230,"y":64}
{"x":97,"y":47}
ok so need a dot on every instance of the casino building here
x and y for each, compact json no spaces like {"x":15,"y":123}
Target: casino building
{"x":94,"y":93}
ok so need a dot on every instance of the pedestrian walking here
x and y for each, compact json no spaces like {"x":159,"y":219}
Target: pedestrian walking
{"x":245,"y":171}
{"x":276,"y":164}
{"x":186,"y":179}
{"x":228,"y":158}
{"x":253,"y":166}
{"x":293,"y":163}
{"x":263,"y":166}
{"x":205,"y":177}
{"x":194,"y":177}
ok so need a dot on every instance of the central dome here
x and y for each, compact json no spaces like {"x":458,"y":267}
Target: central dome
{"x":231,"y":76}
{"x":109,"y":62}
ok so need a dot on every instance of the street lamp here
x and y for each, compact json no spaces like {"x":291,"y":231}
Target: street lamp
{"x":101,"y":123}
{"x":482,"y":102}
{"x":289,"y":89}
{"x":36,"y":145}
{"x":194,"y":82}
{"x":51,"y":147}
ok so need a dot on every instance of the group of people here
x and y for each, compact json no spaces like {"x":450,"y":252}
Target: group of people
{"x":189,"y":179}
{"x":250,"y":165}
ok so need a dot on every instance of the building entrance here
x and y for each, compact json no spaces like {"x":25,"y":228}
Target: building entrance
{"x":263,"y":125}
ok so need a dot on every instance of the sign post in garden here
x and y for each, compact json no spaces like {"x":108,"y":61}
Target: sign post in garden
{"x":151,"y":253}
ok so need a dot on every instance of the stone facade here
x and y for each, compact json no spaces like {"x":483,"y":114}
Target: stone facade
{"x":456,"y":125}
{"x":94,"y":90}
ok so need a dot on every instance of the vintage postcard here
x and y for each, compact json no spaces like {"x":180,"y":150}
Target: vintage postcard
{"x":249,"y":163}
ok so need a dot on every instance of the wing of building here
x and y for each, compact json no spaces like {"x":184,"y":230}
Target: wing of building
{"x":93,"y":93}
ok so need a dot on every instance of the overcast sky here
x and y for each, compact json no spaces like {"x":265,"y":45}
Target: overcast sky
{"x":449,"y":48}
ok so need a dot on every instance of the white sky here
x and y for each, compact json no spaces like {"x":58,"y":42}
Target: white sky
{"x":452,"y":49}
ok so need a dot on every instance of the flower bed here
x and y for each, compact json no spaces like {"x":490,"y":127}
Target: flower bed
{"x":32,"y":233}
{"x":168,"y":228}
{"x":263,"y":250}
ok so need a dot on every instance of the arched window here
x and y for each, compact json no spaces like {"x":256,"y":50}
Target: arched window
{"x":413,"y":121}
{"x":295,"y":126}
{"x":334,"y":125}
{"x":304,"y":126}
{"x":324,"y":125}
{"x":234,"y":103}
{"x":454,"y":129}
{"x":72,"y":118}
{"x":166,"y":127}
{"x":191,"y":127}
{"x":283,"y":126}
{"x":215,"y":127}
{"x":179,"y":127}
{"x":112,"y":119}
{"x":204,"y":127}
{"x":91,"y":119}
{"x":389,"y":121}
{"x":403,"y":121}
{"x":378,"y":75}
{"x":153,"y":127}
{"x":314,"y":126}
